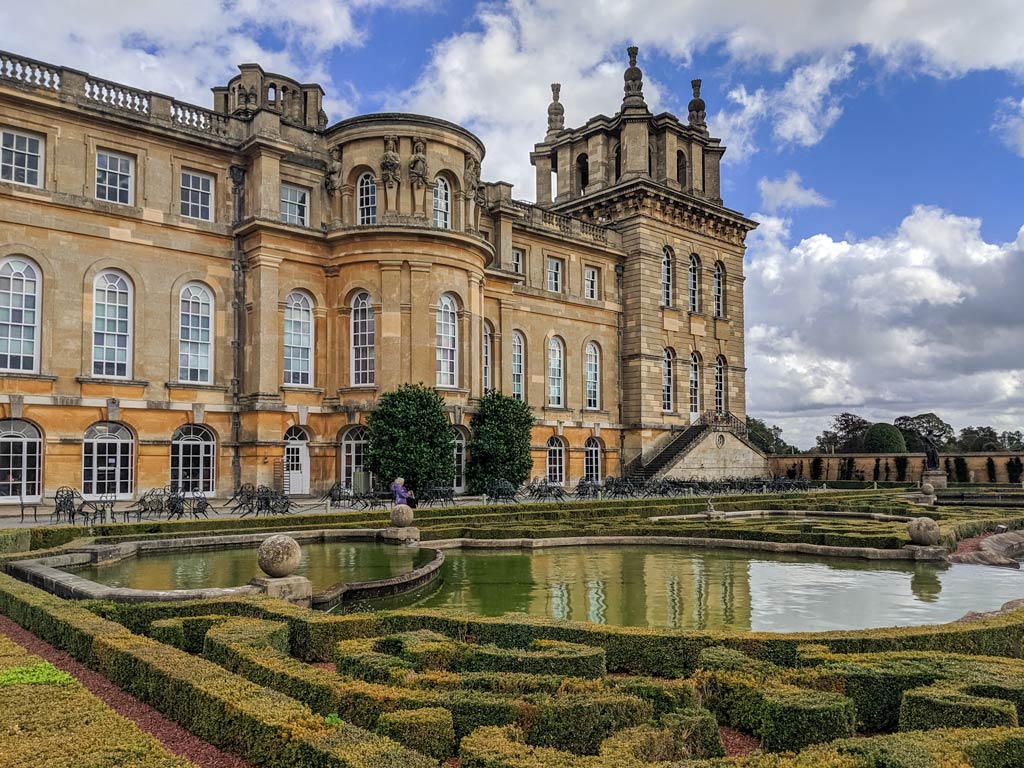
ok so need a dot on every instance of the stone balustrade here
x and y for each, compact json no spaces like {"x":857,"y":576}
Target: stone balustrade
{"x":116,"y":96}
{"x":28,"y":72}
{"x":566,"y":225}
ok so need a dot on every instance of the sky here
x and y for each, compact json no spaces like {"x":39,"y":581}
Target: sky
{"x":879,"y":143}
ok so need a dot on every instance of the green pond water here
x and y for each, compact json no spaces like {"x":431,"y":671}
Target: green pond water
{"x":324,"y":564}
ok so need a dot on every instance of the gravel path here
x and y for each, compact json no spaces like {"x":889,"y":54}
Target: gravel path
{"x":174,"y":738}
{"x":737,"y":744}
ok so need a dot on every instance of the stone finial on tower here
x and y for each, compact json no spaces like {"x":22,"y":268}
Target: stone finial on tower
{"x":556,"y":113}
{"x":633,"y":88}
{"x":697,"y":109}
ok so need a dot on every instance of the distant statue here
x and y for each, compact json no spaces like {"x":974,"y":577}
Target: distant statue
{"x":697,"y":109}
{"x":418,"y":164}
{"x":931,"y":450}
{"x":556,"y":112}
{"x":471,"y":177}
{"x":332,"y":182}
{"x":390,"y":162}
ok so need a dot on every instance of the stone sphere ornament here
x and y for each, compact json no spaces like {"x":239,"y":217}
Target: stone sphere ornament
{"x":401,"y":516}
{"x":924,"y":531}
{"x":928,"y":489}
{"x":279,"y":555}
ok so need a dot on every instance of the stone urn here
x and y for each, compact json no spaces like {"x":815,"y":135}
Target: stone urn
{"x":279,"y":556}
{"x":924,"y":532}
{"x":401,"y":516}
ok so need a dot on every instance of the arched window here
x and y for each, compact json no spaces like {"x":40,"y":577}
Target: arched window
{"x":447,"y":342}
{"x":195,"y":334}
{"x":721,"y":401}
{"x":593,"y":376}
{"x":667,"y":265}
{"x":108,"y":461}
{"x":353,"y":453}
{"x":298,"y":339}
{"x":193,"y":459}
{"x":488,"y":354}
{"x":21,"y":461}
{"x":112,"y":326}
{"x":459,"y":483}
{"x":694,"y":384}
{"x":556,"y":373}
{"x":694,"y":283}
{"x":442,"y":204}
{"x":363,"y":340}
{"x":556,"y":461}
{"x":681,"y":169}
{"x":668,"y":390}
{"x":366,"y":199}
{"x":518,"y":366}
{"x":592,"y":460}
{"x":718,"y":289}
{"x":19,"y":315}
{"x":582,"y":173}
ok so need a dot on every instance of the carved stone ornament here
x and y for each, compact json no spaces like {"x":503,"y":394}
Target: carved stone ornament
{"x":418,"y":163}
{"x":390,"y":162}
{"x":697,"y":108}
{"x":237,"y":173}
{"x":556,"y":112}
{"x":633,"y":87}
{"x":471,"y":177}
{"x":333,"y":180}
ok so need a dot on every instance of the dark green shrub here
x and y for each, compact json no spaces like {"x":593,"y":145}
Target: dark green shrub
{"x":1014,"y":469}
{"x":429,"y":730}
{"x":942,"y":706}
{"x":697,"y":730}
{"x":499,"y":446}
{"x":884,"y":438}
{"x":1005,"y":750}
{"x":901,"y":468}
{"x":960,"y":470}
{"x":990,"y":469}
{"x":579,"y":724}
{"x":816,"y":468}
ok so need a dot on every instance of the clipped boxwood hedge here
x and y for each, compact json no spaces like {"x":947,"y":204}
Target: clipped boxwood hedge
{"x":430,"y":730}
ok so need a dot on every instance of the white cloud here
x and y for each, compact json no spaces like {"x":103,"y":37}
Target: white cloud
{"x":736,"y":127}
{"x":789,"y":193}
{"x":925,"y":318}
{"x":806,"y":107}
{"x":1009,"y":125}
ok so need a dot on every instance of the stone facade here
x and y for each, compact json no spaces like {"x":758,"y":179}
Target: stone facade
{"x":280,"y":239}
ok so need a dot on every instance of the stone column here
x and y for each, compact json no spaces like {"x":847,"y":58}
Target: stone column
{"x":390,"y":342}
{"x":543,"y":164}
{"x":264,"y":325}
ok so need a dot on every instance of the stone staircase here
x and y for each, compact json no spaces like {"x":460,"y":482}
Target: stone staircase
{"x":639,"y":471}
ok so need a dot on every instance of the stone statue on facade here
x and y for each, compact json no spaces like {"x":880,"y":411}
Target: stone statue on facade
{"x":697,"y":109}
{"x":931,"y":450}
{"x":333,"y":179}
{"x":471,"y":177}
{"x":633,"y":77}
{"x":321,"y":119}
{"x":556,"y":112}
{"x":418,"y":164}
{"x":390,"y":162}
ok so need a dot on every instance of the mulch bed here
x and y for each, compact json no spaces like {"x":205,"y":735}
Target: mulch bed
{"x":174,"y":738}
{"x":737,"y":744}
{"x":971,"y":544}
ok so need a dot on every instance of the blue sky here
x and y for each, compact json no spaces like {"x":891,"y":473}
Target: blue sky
{"x":880,"y":143}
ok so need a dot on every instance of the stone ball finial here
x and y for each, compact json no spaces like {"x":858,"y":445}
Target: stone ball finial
{"x":928,"y":489}
{"x":633,"y":88}
{"x":401,"y":516}
{"x":556,"y":112}
{"x":924,"y":532}
{"x":279,"y":555}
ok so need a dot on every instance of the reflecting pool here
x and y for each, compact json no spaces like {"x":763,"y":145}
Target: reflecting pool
{"x":684,"y":588}
{"x":323,"y":563}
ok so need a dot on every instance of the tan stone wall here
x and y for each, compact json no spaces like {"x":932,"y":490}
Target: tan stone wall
{"x":864,"y":464}
{"x":720,"y":455}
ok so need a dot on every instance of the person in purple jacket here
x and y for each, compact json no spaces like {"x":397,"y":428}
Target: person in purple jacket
{"x":401,"y":494}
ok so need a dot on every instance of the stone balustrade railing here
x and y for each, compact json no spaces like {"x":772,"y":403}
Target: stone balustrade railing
{"x":117,"y":96}
{"x":199,"y":119}
{"x":28,"y":72}
{"x":567,"y":225}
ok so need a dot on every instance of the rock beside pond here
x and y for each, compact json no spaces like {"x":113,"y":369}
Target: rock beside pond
{"x":279,"y":556}
{"x":401,"y":516}
{"x":924,"y":531}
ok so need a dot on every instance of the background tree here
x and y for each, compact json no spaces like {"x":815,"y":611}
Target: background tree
{"x":768,"y":439}
{"x":845,"y":436}
{"x":979,"y":439}
{"x":499,"y":448}
{"x":1012,"y":441}
{"x":410,"y":437}
{"x":884,"y":438}
{"x":913,"y":427}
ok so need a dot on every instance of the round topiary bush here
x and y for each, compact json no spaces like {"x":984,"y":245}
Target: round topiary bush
{"x":884,"y":438}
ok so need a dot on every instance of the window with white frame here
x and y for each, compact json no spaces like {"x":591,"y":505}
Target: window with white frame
{"x":556,"y":461}
{"x":667,"y":264}
{"x":298,"y":339}
{"x":108,"y":461}
{"x":459,"y":483}
{"x":518,"y":257}
{"x":554,"y":274}
{"x":488,"y":355}
{"x":195,"y":339}
{"x":294,"y":205}
{"x":21,"y":461}
{"x":592,"y":460}
{"x":693,"y":282}
{"x":21,"y":158}
{"x":115,"y":177}
{"x":19,"y":315}
{"x":556,"y":373}
{"x":197,"y":195}
{"x":363,"y":341}
{"x":720,"y":396}
{"x":518,"y":366}
{"x":366,"y":194}
{"x":353,"y":453}
{"x":447,"y":342}
{"x":112,"y":326}
{"x":694,"y":383}
{"x":668,"y":394}
{"x":442,"y":204}
{"x":718,"y":289}
{"x":593,"y":376}
{"x":193,"y":459}
{"x":590,"y":282}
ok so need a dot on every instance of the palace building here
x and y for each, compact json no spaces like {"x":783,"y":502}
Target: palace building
{"x":208,"y":297}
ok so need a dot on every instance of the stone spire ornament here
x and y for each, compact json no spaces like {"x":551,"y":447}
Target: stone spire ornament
{"x":697,"y":109}
{"x":556,"y":113}
{"x":633,"y":88}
